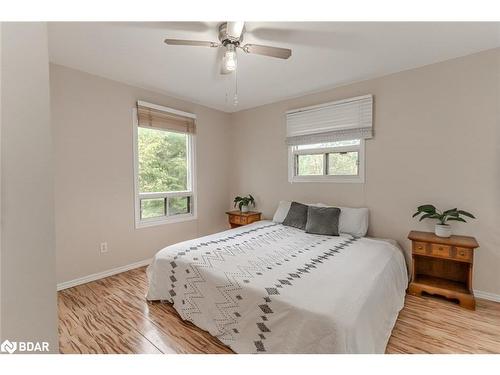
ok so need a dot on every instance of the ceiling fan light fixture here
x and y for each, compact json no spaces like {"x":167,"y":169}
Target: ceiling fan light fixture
{"x":229,"y":61}
{"x":231,"y":37}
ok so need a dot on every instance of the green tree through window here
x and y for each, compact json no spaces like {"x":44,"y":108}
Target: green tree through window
{"x":162,"y":161}
{"x":163,"y":167}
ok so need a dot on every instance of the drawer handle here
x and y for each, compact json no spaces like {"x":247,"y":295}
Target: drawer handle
{"x":419,"y":247}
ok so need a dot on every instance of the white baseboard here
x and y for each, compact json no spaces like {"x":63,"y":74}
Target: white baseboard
{"x":487,"y":295}
{"x":101,"y":275}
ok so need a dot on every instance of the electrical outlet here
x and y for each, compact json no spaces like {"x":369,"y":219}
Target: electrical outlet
{"x":103,"y":247}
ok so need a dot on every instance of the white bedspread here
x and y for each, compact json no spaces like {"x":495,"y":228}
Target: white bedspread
{"x":268,"y":288}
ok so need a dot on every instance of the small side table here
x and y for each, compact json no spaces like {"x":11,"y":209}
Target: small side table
{"x":443,"y":266}
{"x":238,"y":218}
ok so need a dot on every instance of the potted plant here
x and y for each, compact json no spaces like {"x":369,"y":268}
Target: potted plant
{"x":244,"y":202}
{"x":442,"y":229}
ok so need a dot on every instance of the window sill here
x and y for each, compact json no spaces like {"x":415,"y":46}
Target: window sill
{"x":162,"y":221}
{"x":329,"y":179}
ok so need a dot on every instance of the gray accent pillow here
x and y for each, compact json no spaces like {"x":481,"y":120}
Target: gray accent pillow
{"x":323,"y":220}
{"x":297,"y":216}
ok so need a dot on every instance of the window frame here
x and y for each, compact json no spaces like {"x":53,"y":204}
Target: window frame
{"x":292,"y":164}
{"x":191,"y":180}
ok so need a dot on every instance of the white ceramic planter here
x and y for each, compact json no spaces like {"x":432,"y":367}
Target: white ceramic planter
{"x":442,"y":230}
{"x":244,"y":208}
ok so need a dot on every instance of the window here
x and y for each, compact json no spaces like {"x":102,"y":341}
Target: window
{"x":164,"y":165}
{"x":341,"y":161}
{"x":326,"y":142}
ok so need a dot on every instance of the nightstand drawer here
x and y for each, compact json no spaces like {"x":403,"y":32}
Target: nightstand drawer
{"x":440,"y":250}
{"x":463,"y":253}
{"x":238,"y":218}
{"x":253,"y":219}
{"x":419,"y":247}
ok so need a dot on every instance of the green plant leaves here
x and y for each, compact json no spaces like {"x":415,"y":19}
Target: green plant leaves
{"x":430,"y":216}
{"x":429,"y":211}
{"x":426,"y":208}
{"x":465,"y":213}
{"x":244,"y":201}
{"x":456,"y":219}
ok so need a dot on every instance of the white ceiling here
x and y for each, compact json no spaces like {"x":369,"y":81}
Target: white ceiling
{"x":325,"y":54}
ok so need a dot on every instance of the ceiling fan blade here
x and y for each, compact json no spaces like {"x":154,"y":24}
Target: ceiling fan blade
{"x":280,"y":53}
{"x":234,"y":29}
{"x":196,"y":43}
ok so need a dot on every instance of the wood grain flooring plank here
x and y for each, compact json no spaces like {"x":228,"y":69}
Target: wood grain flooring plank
{"x":111,"y":315}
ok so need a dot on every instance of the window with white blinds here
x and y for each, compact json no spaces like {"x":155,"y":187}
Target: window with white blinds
{"x":337,"y":121}
{"x":326,"y":142}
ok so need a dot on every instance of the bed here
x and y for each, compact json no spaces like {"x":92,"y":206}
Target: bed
{"x":270,"y":288}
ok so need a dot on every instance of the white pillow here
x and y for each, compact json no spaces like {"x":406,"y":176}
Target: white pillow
{"x":352,"y":220}
{"x":281,"y":211}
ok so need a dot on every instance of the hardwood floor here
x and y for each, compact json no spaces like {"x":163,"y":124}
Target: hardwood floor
{"x":112,"y":316}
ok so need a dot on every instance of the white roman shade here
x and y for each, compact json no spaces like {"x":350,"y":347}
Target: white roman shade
{"x":336,"y":121}
{"x":156,"y":116}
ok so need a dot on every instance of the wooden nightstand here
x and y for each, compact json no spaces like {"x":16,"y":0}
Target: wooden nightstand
{"x":238,"y":218}
{"x":443,"y":266}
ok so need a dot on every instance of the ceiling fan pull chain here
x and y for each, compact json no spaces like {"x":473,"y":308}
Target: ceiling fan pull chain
{"x":235,"y":99}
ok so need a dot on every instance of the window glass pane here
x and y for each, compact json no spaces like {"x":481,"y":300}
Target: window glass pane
{"x":310,"y":165}
{"x":162,"y":160}
{"x":152,"y":208}
{"x":352,"y":142}
{"x":179,"y":205}
{"x":343,"y":163}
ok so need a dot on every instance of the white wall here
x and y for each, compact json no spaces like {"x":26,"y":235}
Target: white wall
{"x":436,"y":141}
{"x":28,"y":286}
{"x":94,"y":180}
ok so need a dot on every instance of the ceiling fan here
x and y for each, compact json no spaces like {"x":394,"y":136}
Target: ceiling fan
{"x":230,"y":38}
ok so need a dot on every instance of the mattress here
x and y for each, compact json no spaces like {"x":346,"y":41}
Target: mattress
{"x":269,"y":288}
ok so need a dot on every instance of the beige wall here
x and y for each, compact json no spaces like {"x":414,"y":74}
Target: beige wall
{"x":436,"y":141}
{"x":94,"y":181}
{"x":28,"y":285}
